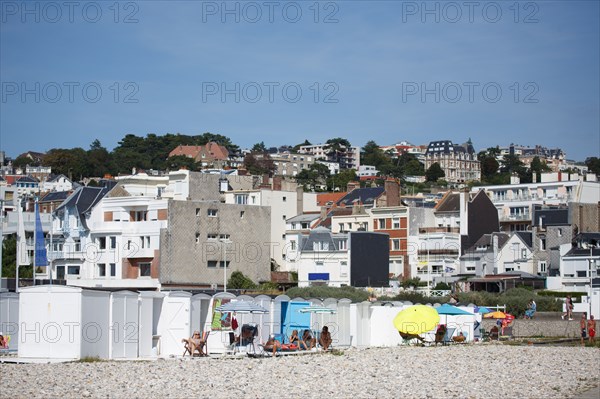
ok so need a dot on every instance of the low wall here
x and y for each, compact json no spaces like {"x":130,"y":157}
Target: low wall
{"x":542,"y":327}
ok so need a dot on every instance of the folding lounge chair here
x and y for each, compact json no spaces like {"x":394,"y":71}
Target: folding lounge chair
{"x":506,"y":333}
{"x":199,"y":349}
{"x":449,"y":334}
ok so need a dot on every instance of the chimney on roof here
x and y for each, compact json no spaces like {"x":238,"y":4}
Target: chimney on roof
{"x":324,"y":211}
{"x":352,"y":185}
{"x":265,"y":181}
{"x":392,"y":192}
{"x":277,"y":183}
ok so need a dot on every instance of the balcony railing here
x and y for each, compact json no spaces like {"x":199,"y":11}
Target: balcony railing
{"x":425,"y":230}
{"x":521,"y":216}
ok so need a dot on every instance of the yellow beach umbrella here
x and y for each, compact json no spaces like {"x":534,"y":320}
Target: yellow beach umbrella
{"x":495,"y":315}
{"x":416,"y":319}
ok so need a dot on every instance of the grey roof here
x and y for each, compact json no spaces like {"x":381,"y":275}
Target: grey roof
{"x":323,"y":234}
{"x":550,"y":216}
{"x":83,"y":199}
{"x":486,"y":240}
{"x":526,"y":236}
{"x":27,"y":179}
{"x":54,"y":178}
{"x":55,"y":196}
{"x":366,"y":196}
{"x":447,"y":147}
{"x":304,"y":217}
{"x":519,"y":273}
{"x":450,"y":203}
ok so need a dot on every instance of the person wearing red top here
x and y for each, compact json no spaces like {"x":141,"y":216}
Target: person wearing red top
{"x":591,"y":327}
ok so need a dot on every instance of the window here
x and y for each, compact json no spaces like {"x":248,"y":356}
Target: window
{"x":304,"y":225}
{"x":293,"y":245}
{"x":197,"y":238}
{"x":138,"y":216}
{"x":222,"y":264}
{"x":284,"y":199}
{"x":113,"y":269}
{"x":212,"y":213}
{"x":197,"y":211}
{"x":102,"y":242}
{"x":74,"y":270}
{"x":145,"y":241}
{"x":241,"y":199}
{"x":321,"y":246}
{"x":396,"y":223}
{"x":396,"y":244}
{"x":341,"y":225}
{"x":543,"y":243}
{"x":523,"y":253}
{"x":543,"y":266}
{"x":113,"y":242}
{"x":224,"y":236}
{"x":212,"y":263}
{"x":381,"y":223}
{"x":77,"y":246}
{"x":581,"y":273}
{"x":284,"y":217}
{"x":343,"y":244}
{"x":242,"y":214}
{"x":145,"y":269}
{"x":211,"y":236}
{"x":101,"y":269}
{"x":559,"y":232}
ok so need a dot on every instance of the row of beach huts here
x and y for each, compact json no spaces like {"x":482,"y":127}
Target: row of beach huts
{"x":62,"y":323}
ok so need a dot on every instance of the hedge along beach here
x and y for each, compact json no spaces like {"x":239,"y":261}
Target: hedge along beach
{"x":456,"y":371}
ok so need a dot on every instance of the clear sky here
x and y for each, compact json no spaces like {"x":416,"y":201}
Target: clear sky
{"x":499,"y":72}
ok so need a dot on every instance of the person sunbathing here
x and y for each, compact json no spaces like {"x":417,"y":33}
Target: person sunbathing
{"x":3,"y":342}
{"x":325,"y":338}
{"x":309,"y":339}
{"x":459,"y":338}
{"x":194,"y":343}
{"x":407,"y":336}
{"x":295,"y":339}
{"x":272,"y":344}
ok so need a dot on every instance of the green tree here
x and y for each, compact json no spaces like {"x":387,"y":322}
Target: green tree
{"x":259,"y":164}
{"x":69,"y":162}
{"x":239,"y":281}
{"x":181,"y":161}
{"x":373,"y":155}
{"x":593,"y":164}
{"x":98,"y":160}
{"x":336,"y":150}
{"x":9,"y":255}
{"x":259,"y":147}
{"x":341,"y":179}
{"x":22,"y":161}
{"x":316,"y":175}
{"x":434,"y":172}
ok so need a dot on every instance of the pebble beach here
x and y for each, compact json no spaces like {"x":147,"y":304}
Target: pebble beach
{"x":457,"y":371}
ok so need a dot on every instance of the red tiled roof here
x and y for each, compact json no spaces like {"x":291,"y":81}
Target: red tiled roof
{"x":323,"y":199}
{"x":210,"y":151}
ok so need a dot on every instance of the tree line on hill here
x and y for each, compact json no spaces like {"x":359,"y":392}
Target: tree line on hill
{"x":152,"y":152}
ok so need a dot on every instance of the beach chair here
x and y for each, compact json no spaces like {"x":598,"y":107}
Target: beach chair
{"x":5,"y":350}
{"x":200,"y":349}
{"x":449,"y":334}
{"x":506,"y":334}
{"x":485,"y":335}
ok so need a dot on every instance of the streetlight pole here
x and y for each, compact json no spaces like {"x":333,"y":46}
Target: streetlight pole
{"x":1,"y":236}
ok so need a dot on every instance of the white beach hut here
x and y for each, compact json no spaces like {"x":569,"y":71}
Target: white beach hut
{"x":149,"y":316}
{"x":61,"y":322}
{"x":174,"y":322}
{"x":9,"y":317}
{"x":124,"y":325}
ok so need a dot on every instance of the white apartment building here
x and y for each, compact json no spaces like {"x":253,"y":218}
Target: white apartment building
{"x":366,"y":171}
{"x":350,"y":159}
{"x":515,"y":201}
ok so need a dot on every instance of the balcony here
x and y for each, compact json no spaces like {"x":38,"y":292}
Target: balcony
{"x":426,"y":230}
{"x":515,"y":218}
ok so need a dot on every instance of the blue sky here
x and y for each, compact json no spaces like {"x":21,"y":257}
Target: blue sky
{"x":361,"y":68}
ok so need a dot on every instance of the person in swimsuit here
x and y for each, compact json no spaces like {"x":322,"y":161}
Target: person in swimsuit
{"x":295,"y":339}
{"x":309,"y":339}
{"x":583,"y":326}
{"x":591,"y":329}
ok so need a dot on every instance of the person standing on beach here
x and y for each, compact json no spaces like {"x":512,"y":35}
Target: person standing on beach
{"x":569,"y":308}
{"x":591,"y":329}
{"x":583,"y":326}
